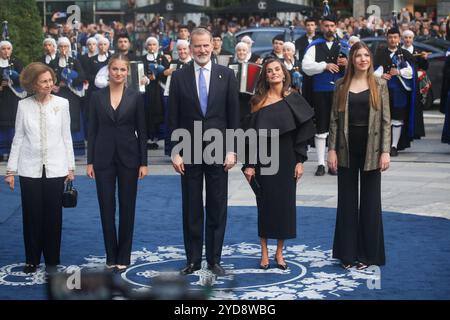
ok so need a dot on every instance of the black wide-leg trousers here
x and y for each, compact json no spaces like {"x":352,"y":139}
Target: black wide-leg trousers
{"x":42,"y":218}
{"x":359,"y":227}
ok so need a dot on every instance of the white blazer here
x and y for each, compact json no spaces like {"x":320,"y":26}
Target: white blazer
{"x":42,"y":138}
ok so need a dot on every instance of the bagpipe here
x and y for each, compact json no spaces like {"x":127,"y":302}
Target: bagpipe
{"x":399,"y":62}
{"x":155,"y":67}
{"x":10,"y":74}
{"x":297,"y":78}
{"x":326,"y":9}
{"x":69,"y":75}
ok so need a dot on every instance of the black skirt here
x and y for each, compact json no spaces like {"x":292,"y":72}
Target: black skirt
{"x":276,"y":205}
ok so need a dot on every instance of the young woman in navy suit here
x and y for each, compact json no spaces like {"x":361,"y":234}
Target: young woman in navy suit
{"x":117,"y":152}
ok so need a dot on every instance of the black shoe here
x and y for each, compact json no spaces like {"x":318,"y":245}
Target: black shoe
{"x":152,"y":146}
{"x":320,"y":171}
{"x":217,"y":269}
{"x":361,"y":266}
{"x":190,"y":268}
{"x":281,"y":266}
{"x":29,"y":268}
{"x":264,"y":266}
{"x":346,"y":266}
{"x":394,"y":152}
{"x":332,"y":173}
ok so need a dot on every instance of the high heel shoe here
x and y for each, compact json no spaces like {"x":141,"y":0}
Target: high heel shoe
{"x":264,"y":266}
{"x":361,"y":266}
{"x":120,"y":268}
{"x":281,"y":266}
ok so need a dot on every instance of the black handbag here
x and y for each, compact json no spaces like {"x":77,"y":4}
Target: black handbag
{"x":70,"y":196}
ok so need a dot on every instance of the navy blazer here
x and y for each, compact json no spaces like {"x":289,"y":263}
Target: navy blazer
{"x":223,"y":101}
{"x":127,"y":136}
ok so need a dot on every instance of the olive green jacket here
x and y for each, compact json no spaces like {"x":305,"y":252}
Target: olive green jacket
{"x":379,"y":135}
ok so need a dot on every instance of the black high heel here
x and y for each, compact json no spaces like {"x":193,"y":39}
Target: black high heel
{"x":264,"y":266}
{"x":361,"y":266}
{"x":281,"y":266}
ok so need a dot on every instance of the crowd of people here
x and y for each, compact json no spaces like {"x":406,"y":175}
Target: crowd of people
{"x":322,"y":91}
{"x":422,"y":24}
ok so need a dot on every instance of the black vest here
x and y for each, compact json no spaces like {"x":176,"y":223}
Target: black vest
{"x":327,"y":55}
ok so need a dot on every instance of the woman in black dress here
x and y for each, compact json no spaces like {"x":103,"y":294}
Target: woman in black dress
{"x":10,"y":94}
{"x":276,"y":106}
{"x":155,"y":66}
{"x":71,"y":88}
{"x":241,"y":56}
{"x":359,"y":143}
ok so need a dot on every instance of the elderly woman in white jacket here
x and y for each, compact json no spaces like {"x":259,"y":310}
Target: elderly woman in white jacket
{"x":43,"y":158}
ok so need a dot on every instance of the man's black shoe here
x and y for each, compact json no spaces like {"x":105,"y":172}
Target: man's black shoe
{"x":216,"y":269}
{"x":30,"y":268}
{"x":394,"y":152}
{"x":190,"y":268}
{"x":320,"y":171}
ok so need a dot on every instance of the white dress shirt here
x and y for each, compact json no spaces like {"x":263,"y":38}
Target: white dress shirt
{"x":410,"y":49}
{"x":42,"y":138}
{"x":309,"y":64}
{"x":206,"y":74}
{"x":102,"y":57}
{"x":49,"y":58}
{"x":4,"y":63}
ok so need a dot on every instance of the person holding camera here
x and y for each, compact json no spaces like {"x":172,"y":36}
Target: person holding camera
{"x":42,"y":155}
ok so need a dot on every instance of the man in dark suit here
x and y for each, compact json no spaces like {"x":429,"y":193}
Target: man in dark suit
{"x":206,"y":95}
{"x":300,"y":46}
{"x":304,"y":41}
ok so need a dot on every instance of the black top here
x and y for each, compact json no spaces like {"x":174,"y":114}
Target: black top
{"x":358,"y":108}
{"x":292,"y":114}
{"x":116,"y":112}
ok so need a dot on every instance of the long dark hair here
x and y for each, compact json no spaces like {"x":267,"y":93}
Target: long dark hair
{"x":262,"y":86}
{"x":350,"y":72}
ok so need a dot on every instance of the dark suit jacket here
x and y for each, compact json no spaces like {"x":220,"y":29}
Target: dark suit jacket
{"x":301,"y":44}
{"x":223,"y":103}
{"x":126,"y":136}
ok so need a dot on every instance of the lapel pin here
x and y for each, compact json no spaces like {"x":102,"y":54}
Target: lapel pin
{"x":220,"y":76}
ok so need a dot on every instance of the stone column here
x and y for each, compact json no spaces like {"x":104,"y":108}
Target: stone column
{"x":443,"y":8}
{"x":386,"y":7}
{"x":360,"y":8}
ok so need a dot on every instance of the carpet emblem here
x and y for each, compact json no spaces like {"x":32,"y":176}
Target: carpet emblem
{"x":312,"y":273}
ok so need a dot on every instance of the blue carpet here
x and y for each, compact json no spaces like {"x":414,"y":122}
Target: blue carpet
{"x":10,"y":202}
{"x":417,"y":249}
